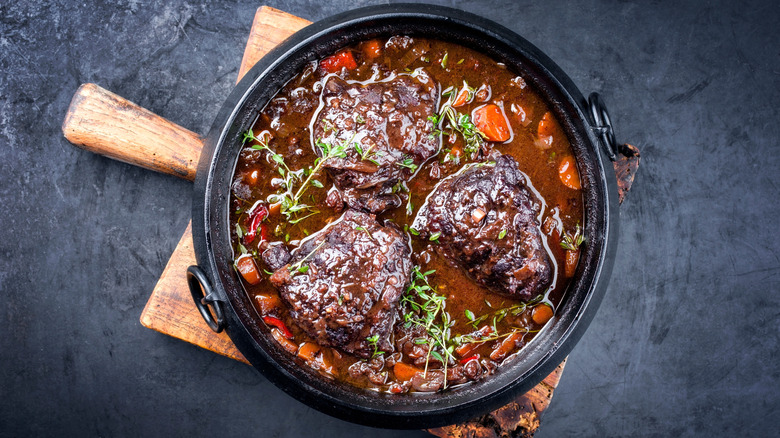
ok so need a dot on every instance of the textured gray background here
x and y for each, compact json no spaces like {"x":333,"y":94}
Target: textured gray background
{"x":685,"y":343}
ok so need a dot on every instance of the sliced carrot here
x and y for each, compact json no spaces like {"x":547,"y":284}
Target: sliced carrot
{"x":268,"y":304}
{"x":275,"y":209}
{"x":506,"y":346}
{"x":372,"y":49}
{"x":253,"y":177}
{"x":567,"y":171}
{"x":405,"y":372}
{"x":490,"y":120}
{"x":335,"y":63}
{"x":284,"y":342}
{"x":572,"y":257}
{"x":308,"y":350}
{"x":462,"y":98}
{"x":547,"y":125}
{"x":541,"y":314}
{"x":248,"y":269}
{"x":470,"y":348}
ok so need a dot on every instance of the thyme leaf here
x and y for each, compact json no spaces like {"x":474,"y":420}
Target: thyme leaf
{"x":573,"y":242}
{"x":372,"y":342}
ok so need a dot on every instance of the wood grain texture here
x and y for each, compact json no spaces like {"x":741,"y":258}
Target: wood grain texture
{"x":170,"y":309}
{"x":269,"y":28}
{"x":106,"y":124}
{"x":517,"y":419}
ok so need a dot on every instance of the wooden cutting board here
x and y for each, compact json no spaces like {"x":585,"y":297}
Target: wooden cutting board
{"x":105,"y":123}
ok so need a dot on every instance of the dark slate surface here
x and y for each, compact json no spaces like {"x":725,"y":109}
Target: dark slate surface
{"x":685,"y":344}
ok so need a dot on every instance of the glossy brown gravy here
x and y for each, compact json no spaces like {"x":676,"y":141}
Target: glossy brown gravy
{"x":536,"y":142}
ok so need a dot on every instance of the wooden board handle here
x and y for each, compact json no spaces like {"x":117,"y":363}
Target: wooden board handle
{"x":106,"y":124}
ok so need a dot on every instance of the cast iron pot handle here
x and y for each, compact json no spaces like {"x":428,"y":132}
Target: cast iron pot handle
{"x":624,"y":157}
{"x":199,"y":284}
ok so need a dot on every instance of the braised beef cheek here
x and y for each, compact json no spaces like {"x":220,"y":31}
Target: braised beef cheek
{"x":388,"y":135}
{"x":343,"y":284}
{"x":484,"y":219}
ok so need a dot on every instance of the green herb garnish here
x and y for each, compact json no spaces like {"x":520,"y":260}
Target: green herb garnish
{"x":450,"y":120}
{"x":366,"y":155}
{"x":364,"y":230}
{"x":407,"y":163}
{"x":372,"y":342}
{"x":502,"y":234}
{"x":573,"y":242}
{"x":297,"y":266}
{"x":425,"y":308}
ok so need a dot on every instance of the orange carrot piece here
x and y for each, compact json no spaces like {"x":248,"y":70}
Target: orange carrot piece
{"x":248,"y":269}
{"x":506,"y":346}
{"x":275,"y":209}
{"x":308,"y":350}
{"x":541,"y":314}
{"x":567,"y":171}
{"x":405,"y":372}
{"x":490,"y":120}
{"x":268,"y":304}
{"x":572,"y":257}
{"x":462,"y":98}
{"x":253,"y":177}
{"x":284,"y":342}
{"x":372,"y":49}
{"x":546,"y":126}
{"x":469,"y":349}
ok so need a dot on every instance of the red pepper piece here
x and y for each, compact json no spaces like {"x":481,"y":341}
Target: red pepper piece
{"x":276,"y":322}
{"x":256,"y":216}
{"x":263,"y":232}
{"x":469,"y":359}
{"x":333,"y":64}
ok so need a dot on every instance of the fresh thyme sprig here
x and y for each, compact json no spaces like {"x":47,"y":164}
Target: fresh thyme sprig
{"x":299,"y":266}
{"x":262,"y":145}
{"x":573,"y":242}
{"x":372,"y":342}
{"x":450,"y":120}
{"x":473,"y":338}
{"x":407,"y":163}
{"x":366,"y":155}
{"x":290,"y":198}
{"x":502,"y":313}
{"x":426,"y":310}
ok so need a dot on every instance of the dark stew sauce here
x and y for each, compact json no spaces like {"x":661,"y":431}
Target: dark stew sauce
{"x":351,"y":269}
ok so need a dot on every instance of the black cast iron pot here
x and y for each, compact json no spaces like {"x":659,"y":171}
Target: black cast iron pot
{"x":226,"y":305}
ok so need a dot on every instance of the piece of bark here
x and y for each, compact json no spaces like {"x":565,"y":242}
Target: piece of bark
{"x":625,"y":168}
{"x":517,"y":419}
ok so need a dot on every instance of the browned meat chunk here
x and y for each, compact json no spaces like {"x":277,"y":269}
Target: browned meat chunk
{"x":385,"y":127}
{"x":485,"y":220}
{"x":344,"y":283}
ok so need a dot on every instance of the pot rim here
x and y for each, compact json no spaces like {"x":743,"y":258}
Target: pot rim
{"x":409,"y":411}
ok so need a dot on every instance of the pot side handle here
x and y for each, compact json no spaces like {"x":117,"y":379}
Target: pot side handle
{"x":625,"y":157}
{"x":104,"y":123}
